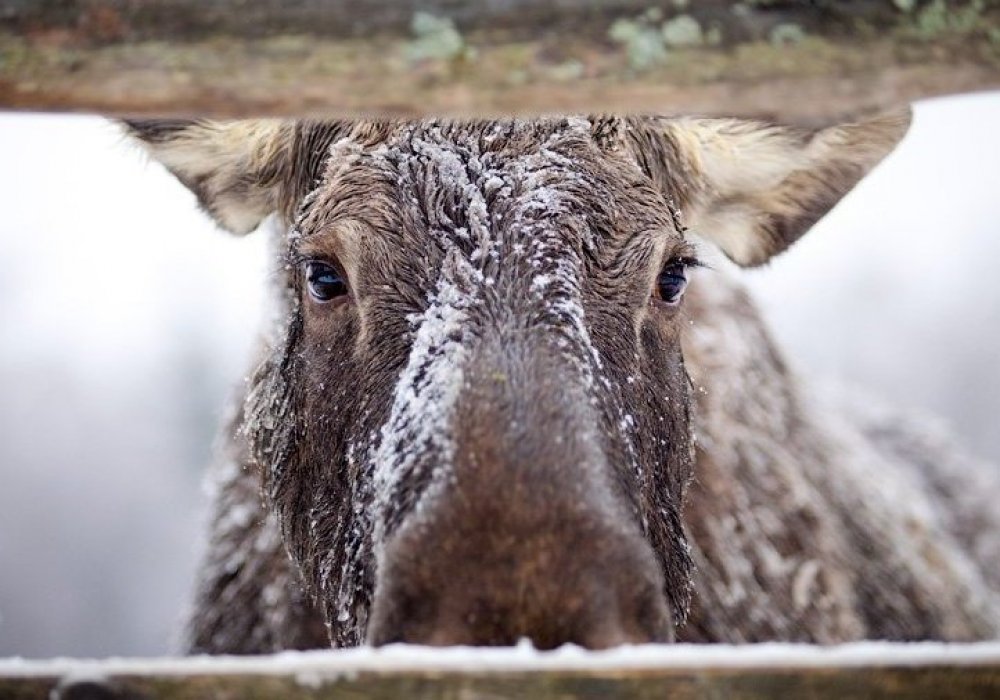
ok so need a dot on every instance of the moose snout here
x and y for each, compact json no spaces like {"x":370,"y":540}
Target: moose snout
{"x":527,"y":536}
{"x":590,"y":587}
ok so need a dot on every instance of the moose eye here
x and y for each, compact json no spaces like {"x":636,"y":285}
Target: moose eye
{"x":672,"y":282}
{"x":325,"y":283}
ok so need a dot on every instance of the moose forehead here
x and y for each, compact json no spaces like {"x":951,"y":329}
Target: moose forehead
{"x":532,"y":194}
{"x":497,"y":227}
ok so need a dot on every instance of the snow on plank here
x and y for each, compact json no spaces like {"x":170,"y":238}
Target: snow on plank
{"x":870,"y":669}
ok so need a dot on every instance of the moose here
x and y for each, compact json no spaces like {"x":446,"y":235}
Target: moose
{"x":504,"y":399}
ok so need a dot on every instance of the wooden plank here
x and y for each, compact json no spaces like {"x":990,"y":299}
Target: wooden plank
{"x":915,"y":684}
{"x":797,"y":60}
{"x":853,"y":671}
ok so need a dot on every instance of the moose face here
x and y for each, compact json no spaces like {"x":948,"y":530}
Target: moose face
{"x":476,"y":423}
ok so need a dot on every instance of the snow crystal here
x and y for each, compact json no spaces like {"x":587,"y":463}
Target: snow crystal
{"x":540,"y":282}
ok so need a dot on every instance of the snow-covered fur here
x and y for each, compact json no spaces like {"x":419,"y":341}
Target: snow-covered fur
{"x":825,"y":518}
{"x":504,"y":431}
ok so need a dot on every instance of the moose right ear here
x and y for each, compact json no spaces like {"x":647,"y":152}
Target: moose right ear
{"x":240,"y":171}
{"x":235,"y":169}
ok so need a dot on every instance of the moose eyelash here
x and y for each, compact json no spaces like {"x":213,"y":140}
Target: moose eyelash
{"x":685,"y":255}
{"x":688,"y":261}
{"x":295,"y":259}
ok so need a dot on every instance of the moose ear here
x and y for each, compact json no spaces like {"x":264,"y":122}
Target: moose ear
{"x":240,"y":171}
{"x":755,"y":188}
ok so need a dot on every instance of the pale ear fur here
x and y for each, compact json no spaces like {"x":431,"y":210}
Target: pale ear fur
{"x":238,"y":169}
{"x":755,"y":188}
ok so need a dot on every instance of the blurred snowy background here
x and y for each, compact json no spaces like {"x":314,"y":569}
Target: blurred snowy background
{"x":126,"y":319}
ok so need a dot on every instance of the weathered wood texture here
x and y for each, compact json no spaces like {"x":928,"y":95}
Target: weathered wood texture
{"x":894,"y":671}
{"x":114,"y":19}
{"x":809,"y":61}
{"x":912,"y":683}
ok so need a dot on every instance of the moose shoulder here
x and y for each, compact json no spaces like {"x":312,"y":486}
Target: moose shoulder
{"x":494,"y":409}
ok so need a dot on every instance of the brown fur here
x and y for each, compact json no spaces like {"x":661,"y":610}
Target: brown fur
{"x":493,"y":436}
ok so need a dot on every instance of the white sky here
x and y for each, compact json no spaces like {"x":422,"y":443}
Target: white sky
{"x":103,"y":251}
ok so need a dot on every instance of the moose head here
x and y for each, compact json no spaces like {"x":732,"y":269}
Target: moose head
{"x":475,"y":423}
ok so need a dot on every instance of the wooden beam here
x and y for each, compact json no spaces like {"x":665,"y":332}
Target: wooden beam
{"x":765,"y":671}
{"x":807,"y":61}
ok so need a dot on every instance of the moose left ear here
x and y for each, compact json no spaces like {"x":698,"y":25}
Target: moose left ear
{"x":755,"y":188}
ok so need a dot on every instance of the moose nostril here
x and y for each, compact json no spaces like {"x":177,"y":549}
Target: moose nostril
{"x":640,"y":615}
{"x":606,"y":637}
